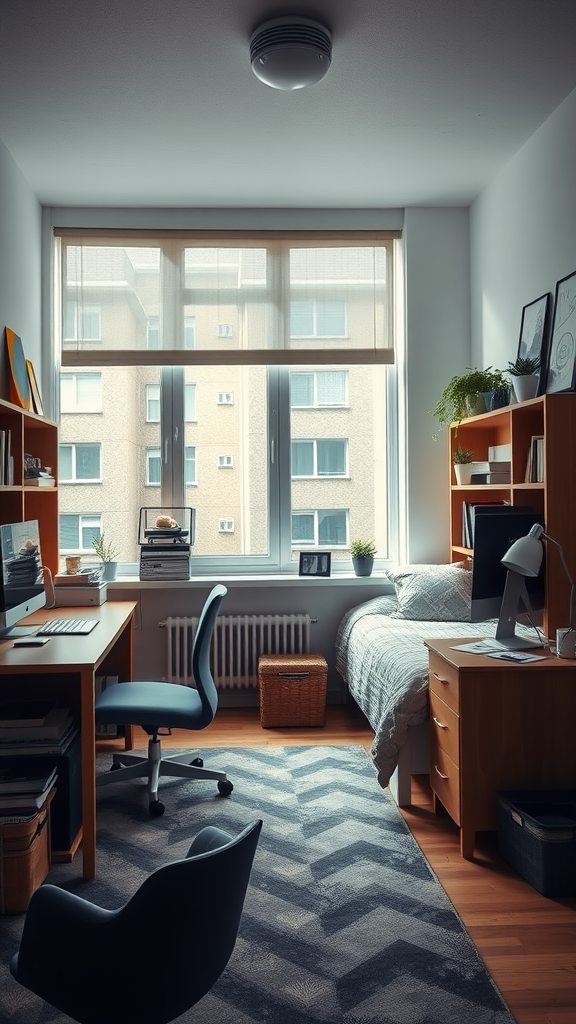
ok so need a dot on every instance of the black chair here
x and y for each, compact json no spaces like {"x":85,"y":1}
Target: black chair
{"x":158,"y":955}
{"x":155,"y":706}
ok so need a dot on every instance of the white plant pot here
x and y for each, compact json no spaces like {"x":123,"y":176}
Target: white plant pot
{"x":526,"y":387}
{"x":463,"y":472}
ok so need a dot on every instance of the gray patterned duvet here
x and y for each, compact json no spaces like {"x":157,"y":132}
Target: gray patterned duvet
{"x":385,"y":664}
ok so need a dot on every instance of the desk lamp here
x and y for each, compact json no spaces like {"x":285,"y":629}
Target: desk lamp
{"x":524,"y":556}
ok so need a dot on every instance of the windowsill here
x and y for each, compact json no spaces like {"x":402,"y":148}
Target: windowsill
{"x":377,"y":579}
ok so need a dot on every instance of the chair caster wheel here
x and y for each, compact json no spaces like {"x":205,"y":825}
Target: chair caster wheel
{"x":156,"y":808}
{"x":197,"y":762}
{"x":225,"y":788}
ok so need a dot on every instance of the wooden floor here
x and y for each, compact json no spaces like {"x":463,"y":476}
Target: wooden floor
{"x":527,"y":942}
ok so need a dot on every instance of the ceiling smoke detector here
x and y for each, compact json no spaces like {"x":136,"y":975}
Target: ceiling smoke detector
{"x":291,"y":52}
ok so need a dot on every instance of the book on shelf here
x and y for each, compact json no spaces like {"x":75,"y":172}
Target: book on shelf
{"x":84,"y":578}
{"x":535,"y":461}
{"x":35,"y":748}
{"x":18,"y":780}
{"x":11,"y":818}
{"x":500,"y":453}
{"x":15,"y":713}
{"x":55,"y":724}
{"x":39,"y":481}
{"x":23,"y":803}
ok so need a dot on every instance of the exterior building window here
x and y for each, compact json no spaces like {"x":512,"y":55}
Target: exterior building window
{"x":319,"y":389}
{"x":81,"y":321}
{"x":80,"y":392}
{"x":153,"y":332}
{"x":190,"y":403}
{"x":153,"y":403}
{"x":225,"y":461}
{"x":322,"y":457}
{"x":79,"y":463}
{"x":189,"y":332}
{"x":225,"y":398}
{"x":78,"y":532}
{"x":316,"y":319}
{"x":153,"y":467}
{"x":190,"y":467}
{"x":225,"y":331}
{"x":328,"y":527}
{"x":225,"y":526}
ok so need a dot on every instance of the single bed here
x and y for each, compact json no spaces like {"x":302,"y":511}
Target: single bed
{"x":381,"y":656}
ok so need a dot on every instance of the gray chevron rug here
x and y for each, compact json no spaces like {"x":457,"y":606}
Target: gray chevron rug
{"x":344,"y":921}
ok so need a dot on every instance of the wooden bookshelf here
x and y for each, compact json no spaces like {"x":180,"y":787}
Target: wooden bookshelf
{"x":552,"y":417}
{"x":38,"y":436}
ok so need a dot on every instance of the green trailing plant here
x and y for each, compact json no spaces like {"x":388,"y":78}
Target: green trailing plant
{"x":462,"y":456}
{"x":451,"y":407}
{"x":104,"y":548}
{"x":362,"y":549}
{"x":523,"y":366}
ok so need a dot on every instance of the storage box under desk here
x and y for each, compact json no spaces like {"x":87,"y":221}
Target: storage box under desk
{"x":292,"y":690}
{"x":24,"y":859}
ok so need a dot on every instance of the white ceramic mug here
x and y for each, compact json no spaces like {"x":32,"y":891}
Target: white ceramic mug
{"x":565,"y":643}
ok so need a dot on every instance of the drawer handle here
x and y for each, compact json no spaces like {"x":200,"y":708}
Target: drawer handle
{"x":439,"y":724}
{"x":441,"y":774}
{"x":293,"y":675}
{"x":440,"y":679}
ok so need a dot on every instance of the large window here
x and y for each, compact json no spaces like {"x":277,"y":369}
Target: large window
{"x":78,"y":533}
{"x":246,"y":379}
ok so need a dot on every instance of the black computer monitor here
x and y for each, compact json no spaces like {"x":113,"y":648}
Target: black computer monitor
{"x":22,"y":577}
{"x":498,"y":592}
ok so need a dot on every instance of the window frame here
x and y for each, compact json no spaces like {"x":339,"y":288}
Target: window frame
{"x":74,"y":479}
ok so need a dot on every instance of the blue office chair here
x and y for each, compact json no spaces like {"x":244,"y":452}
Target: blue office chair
{"x":91,"y":963}
{"x":155,"y":706}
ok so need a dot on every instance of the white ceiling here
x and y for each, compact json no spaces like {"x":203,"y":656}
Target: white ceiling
{"x":153,"y":102}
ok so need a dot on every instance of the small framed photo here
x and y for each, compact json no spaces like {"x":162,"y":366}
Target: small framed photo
{"x":534,"y":328}
{"x":315,"y":563}
{"x":561,"y":374}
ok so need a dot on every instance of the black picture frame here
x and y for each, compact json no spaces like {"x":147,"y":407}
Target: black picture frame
{"x":561,"y":375}
{"x":534,"y":334}
{"x":315,"y":563}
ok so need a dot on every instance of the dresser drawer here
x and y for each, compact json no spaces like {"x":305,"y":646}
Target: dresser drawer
{"x":443,"y":680}
{"x":445,"y":726}
{"x":445,"y":780}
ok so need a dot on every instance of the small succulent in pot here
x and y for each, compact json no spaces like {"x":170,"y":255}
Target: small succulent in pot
{"x":363,"y":549}
{"x":524,"y":366}
{"x":462,"y":456}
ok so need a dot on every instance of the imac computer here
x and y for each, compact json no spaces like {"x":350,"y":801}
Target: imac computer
{"x":500,"y":593}
{"x":22,"y":579}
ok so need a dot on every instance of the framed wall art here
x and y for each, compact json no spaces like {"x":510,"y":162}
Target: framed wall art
{"x":37,"y":405}
{"x":314,"y":563}
{"x":534,"y":330}
{"x":561,"y":375}
{"x":19,"y":383}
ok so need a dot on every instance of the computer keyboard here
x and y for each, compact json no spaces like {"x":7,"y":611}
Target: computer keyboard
{"x":69,"y":626}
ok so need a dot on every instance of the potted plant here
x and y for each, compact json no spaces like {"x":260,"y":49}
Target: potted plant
{"x":462,"y":459}
{"x":526,"y":379}
{"x":464,"y":395}
{"x":363,"y":552}
{"x":107,"y":553}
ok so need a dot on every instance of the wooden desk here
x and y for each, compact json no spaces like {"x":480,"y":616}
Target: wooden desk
{"x":107,"y":650}
{"x":497,"y":725}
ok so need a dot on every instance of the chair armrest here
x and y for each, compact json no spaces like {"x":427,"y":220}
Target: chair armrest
{"x":209,"y":838}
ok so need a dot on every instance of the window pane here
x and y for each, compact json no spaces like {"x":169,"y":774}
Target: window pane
{"x":332,"y":527}
{"x":331,"y":387}
{"x":65,"y":462}
{"x":153,"y":403}
{"x":87,"y":461}
{"x":190,"y":403}
{"x":330,"y":319}
{"x":190,"y":466}
{"x":302,"y":458}
{"x":331,"y":458}
{"x":90,"y":530}
{"x":154,"y":471}
{"x":301,"y":389}
{"x":303,"y":528}
{"x":301,"y":319}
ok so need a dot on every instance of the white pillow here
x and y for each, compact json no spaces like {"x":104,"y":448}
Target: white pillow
{"x":432,"y":593}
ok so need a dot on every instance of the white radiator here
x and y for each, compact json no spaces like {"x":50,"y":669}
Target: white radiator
{"x":237,"y":643}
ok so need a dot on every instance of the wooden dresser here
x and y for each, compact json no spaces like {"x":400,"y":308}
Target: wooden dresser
{"x":496,"y":725}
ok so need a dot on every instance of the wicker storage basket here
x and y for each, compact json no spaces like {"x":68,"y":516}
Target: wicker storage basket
{"x":537,"y":836}
{"x":24,"y":859}
{"x":292,"y":690}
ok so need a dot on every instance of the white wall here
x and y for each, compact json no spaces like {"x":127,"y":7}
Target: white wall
{"x":20,"y":257}
{"x":523,"y":235}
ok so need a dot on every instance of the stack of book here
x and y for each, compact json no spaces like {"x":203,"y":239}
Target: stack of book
{"x":6,"y":458}
{"x":34,"y":727}
{"x":23,"y":792}
{"x":88,"y":577}
{"x":42,"y":480}
{"x":491,"y":472}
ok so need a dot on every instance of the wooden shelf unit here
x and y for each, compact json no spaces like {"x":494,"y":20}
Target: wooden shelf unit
{"x":554,"y":418}
{"x":36,"y":436}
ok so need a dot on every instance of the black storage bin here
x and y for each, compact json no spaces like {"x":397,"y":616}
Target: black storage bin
{"x":537,"y":836}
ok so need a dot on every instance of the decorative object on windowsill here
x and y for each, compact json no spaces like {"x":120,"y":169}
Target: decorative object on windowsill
{"x":464,"y":395}
{"x":534,"y":335}
{"x":165,"y":537}
{"x":362,"y":552}
{"x":526,"y":379}
{"x":107,"y":553}
{"x":462,"y":459}
{"x":314,"y":563}
{"x":562,"y":362}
